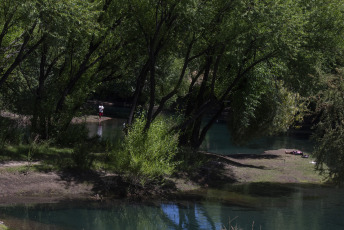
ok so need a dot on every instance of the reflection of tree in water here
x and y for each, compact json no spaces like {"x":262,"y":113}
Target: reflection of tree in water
{"x":218,"y":140}
{"x":114,"y":216}
{"x":164,"y":216}
{"x":269,"y":213}
{"x":187,"y":216}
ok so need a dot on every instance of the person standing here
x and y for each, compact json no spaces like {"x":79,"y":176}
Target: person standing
{"x":101,"y":111}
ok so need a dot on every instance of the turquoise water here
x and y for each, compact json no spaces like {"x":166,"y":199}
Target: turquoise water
{"x":253,"y":206}
{"x":218,"y":139}
{"x":307,"y":207}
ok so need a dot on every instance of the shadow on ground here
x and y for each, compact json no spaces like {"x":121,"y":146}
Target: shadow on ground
{"x":228,"y":159}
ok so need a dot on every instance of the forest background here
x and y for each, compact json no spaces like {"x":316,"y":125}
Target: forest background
{"x":269,"y":64}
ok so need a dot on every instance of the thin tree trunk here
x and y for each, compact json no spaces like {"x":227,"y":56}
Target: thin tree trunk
{"x":152,"y":91}
{"x":139,"y":86}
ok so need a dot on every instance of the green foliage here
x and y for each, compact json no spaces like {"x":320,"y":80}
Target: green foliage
{"x":264,"y":106}
{"x":3,"y":227}
{"x":257,"y":57}
{"x":76,"y":133}
{"x":59,"y":48}
{"x":82,"y":157}
{"x":329,"y":131}
{"x":147,"y":155}
{"x":190,"y":160}
{"x":11,"y":132}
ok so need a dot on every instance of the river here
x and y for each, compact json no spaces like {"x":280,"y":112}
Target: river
{"x":218,"y":139}
{"x":254,"y":206}
{"x":263,"y":206}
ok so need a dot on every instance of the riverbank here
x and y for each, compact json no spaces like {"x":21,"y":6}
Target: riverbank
{"x":18,"y":185}
{"x":25,"y":119}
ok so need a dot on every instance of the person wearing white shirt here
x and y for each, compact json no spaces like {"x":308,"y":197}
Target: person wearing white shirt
{"x":101,"y":111}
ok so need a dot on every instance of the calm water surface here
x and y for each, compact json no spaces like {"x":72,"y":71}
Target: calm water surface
{"x":263,"y":206}
{"x":217,"y":139}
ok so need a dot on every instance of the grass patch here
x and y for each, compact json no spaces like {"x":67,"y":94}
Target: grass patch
{"x":18,"y":153}
{"x":283,"y":168}
{"x":3,"y":227}
{"x":15,"y":169}
{"x":54,"y":158}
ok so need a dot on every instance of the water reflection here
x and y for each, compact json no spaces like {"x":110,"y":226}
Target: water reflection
{"x":111,"y":130}
{"x":216,"y":141}
{"x":100,"y":130}
{"x":301,"y":208}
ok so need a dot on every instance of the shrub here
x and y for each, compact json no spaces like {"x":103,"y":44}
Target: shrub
{"x":148,"y":155}
{"x":10,"y":132}
{"x":75,"y":133}
{"x":82,"y":157}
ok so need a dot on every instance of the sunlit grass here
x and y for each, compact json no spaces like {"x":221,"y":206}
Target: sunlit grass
{"x":3,"y":227}
{"x":45,"y":158}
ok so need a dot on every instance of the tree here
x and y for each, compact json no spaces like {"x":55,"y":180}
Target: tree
{"x":268,"y":107}
{"x":329,"y":131}
{"x":157,"y":27}
{"x":324,"y":43}
{"x":74,"y":42}
{"x":215,"y":49}
{"x":241,"y":39}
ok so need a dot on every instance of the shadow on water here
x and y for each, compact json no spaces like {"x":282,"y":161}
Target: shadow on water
{"x":244,"y":195}
{"x":264,"y":189}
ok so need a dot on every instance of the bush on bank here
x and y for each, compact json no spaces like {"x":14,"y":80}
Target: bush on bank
{"x":147,"y":155}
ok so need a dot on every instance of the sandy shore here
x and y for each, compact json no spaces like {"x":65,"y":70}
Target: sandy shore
{"x":24,"y":119}
{"x":90,"y":119}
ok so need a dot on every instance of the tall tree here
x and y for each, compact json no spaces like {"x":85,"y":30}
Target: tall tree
{"x":158,"y":26}
{"x":74,"y":43}
{"x":219,"y":47}
{"x":325,"y":44}
{"x":329,"y":132}
{"x":241,"y":39}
